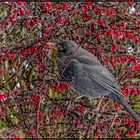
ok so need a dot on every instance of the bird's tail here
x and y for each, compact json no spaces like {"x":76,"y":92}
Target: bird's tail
{"x":121,"y":101}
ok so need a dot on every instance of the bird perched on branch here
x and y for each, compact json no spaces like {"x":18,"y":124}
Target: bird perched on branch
{"x":86,"y":75}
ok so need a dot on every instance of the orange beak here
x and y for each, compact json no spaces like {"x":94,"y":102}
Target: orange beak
{"x":52,"y":45}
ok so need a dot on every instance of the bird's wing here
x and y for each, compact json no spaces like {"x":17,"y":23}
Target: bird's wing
{"x":99,"y":73}
{"x":96,"y":67}
{"x":81,"y":82}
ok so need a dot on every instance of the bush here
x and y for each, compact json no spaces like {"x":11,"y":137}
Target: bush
{"x":34,"y":103}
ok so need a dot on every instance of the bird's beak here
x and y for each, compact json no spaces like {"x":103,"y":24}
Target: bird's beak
{"x":52,"y":45}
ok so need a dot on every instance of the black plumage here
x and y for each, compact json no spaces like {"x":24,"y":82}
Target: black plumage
{"x":87,"y":75}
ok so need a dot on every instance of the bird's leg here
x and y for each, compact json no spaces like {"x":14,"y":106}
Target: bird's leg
{"x":70,"y":106}
{"x":97,"y":110}
{"x":79,"y":97}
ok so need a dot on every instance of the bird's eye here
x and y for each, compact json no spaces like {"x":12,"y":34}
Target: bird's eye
{"x":61,"y":48}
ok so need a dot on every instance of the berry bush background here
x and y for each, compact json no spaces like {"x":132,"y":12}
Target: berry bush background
{"x":33,"y":102}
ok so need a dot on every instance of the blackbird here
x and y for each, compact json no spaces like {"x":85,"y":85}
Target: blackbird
{"x":86,"y":75}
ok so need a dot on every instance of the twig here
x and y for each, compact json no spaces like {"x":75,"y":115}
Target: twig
{"x":111,"y":124}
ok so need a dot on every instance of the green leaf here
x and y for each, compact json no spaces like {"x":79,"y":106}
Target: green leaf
{"x":3,"y":11}
{"x":53,"y":94}
{"x":135,"y":98}
{"x":3,"y":124}
{"x":136,"y":106}
{"x":14,"y":119}
{"x":134,"y":80}
{"x":125,"y":129}
{"x":30,"y":75}
{"x":7,"y":77}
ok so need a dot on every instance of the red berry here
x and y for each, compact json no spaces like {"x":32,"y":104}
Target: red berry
{"x":97,"y":133}
{"x":89,"y":32}
{"x":131,"y":133}
{"x":3,"y":96}
{"x":17,"y":137}
{"x":117,"y":120}
{"x":22,"y":11}
{"x":46,"y":32}
{"x":16,"y":10}
{"x":52,"y":120}
{"x":49,"y":5}
{"x":101,"y":22}
{"x":65,"y":6}
{"x":36,"y":21}
{"x":43,"y":5}
{"x":27,"y":23}
{"x":34,"y":50}
{"x":112,"y":11}
{"x":126,"y":121}
{"x":117,"y":106}
{"x":38,"y":60}
{"x":138,"y":126}
{"x":124,"y":12}
{"x":11,"y":56}
{"x":115,"y":47}
{"x":62,"y":20}
{"x":106,"y":61}
{"x":131,"y":122}
{"x":135,"y":91}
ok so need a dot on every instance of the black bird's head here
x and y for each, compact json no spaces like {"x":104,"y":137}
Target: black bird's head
{"x":66,"y":48}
